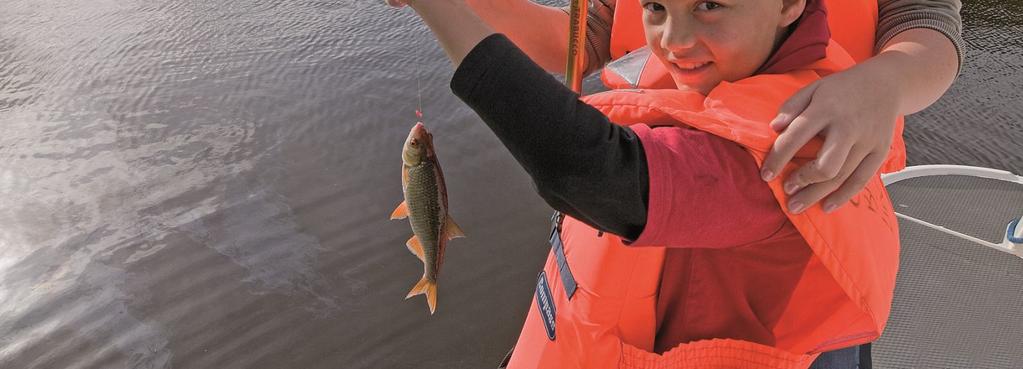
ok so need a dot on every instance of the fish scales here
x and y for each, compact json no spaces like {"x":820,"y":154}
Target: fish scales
{"x":427,"y":212}
{"x":426,"y":206}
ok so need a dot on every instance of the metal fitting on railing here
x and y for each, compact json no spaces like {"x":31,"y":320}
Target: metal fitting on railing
{"x":1014,"y":236}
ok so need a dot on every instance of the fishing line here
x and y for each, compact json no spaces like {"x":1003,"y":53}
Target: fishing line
{"x":419,"y":90}
{"x":419,"y":77}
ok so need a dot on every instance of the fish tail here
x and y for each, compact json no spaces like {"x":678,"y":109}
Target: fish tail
{"x":425,"y":287}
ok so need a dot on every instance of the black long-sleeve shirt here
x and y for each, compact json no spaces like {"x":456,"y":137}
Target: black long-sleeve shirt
{"x":582,"y":164}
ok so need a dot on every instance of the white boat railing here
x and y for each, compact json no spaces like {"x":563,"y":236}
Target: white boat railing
{"x":954,"y":170}
{"x":1013,"y":238}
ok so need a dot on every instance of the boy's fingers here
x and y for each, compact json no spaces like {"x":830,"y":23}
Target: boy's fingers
{"x":801,"y":131}
{"x":855,"y":183}
{"x":793,"y":107}
{"x":829,"y":162}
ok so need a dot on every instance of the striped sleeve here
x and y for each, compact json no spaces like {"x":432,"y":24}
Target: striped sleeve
{"x":897,"y":16}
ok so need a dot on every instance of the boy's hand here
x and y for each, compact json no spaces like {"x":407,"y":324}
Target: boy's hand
{"x":397,"y":3}
{"x":855,"y":111}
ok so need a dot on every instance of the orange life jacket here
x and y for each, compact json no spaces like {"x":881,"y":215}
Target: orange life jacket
{"x":595,"y":304}
{"x":853,"y":25}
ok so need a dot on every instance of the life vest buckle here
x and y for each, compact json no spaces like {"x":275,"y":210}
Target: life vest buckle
{"x":556,"y":220}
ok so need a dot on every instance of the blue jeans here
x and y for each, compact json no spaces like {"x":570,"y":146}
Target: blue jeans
{"x":856,"y":357}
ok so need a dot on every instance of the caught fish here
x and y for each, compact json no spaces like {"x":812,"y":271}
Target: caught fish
{"x":426,"y":207}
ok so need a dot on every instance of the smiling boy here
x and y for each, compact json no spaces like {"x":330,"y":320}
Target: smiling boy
{"x":702,"y":267}
{"x":705,"y":42}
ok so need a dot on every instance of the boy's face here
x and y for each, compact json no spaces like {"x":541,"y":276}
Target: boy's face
{"x":703,"y":43}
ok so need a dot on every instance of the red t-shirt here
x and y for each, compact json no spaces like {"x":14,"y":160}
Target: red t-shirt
{"x":733,"y":256}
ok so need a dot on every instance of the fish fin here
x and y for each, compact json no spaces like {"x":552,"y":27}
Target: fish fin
{"x":431,"y":296}
{"x":416,"y":248}
{"x":401,"y":212}
{"x":452,"y":230}
{"x":419,"y":289}
{"x":425,"y":287}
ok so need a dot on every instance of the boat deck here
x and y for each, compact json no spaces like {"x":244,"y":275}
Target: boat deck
{"x":959,"y":296}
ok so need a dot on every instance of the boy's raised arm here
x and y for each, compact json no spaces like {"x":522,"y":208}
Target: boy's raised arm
{"x":541,"y":31}
{"x":457,"y":27}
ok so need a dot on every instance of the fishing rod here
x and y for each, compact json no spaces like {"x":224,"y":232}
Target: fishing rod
{"x":576,"y":41}
{"x":576,"y":62}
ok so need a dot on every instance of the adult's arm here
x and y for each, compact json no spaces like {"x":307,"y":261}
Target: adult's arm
{"x":922,"y":40}
{"x":942,"y":16}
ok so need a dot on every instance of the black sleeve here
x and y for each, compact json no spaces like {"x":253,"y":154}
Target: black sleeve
{"x":582,"y":164}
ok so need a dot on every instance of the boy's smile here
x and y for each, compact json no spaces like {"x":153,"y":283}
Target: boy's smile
{"x":689,"y":73}
{"x":703,"y":43}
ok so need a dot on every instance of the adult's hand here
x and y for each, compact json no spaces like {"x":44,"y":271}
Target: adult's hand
{"x":855,"y":111}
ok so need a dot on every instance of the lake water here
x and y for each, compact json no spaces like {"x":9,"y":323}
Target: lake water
{"x":197,"y":184}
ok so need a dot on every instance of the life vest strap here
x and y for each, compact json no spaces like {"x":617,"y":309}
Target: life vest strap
{"x":567,"y":280}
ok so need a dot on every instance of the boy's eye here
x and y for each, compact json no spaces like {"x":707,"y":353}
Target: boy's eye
{"x":708,"y":5}
{"x":654,"y":7}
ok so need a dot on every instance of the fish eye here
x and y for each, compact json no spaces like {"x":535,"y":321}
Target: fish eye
{"x":413,"y":142}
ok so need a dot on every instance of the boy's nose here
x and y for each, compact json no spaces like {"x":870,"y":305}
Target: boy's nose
{"x":678,"y":35}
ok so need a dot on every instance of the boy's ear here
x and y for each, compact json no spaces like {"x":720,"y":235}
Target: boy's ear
{"x":792,"y":10}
